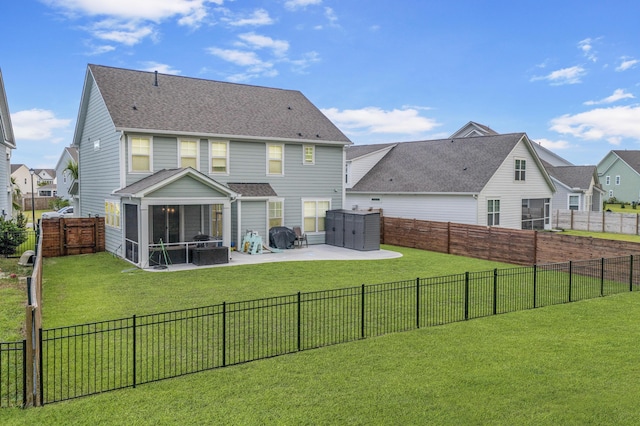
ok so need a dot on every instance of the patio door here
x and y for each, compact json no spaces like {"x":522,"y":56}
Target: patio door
{"x":165,"y":224}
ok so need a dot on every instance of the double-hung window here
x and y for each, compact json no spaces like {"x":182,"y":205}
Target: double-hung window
{"x":275,"y":159}
{"x":574,"y":202}
{"x":493,"y":212}
{"x":618,"y":180}
{"x":219,"y":157}
{"x":112,"y":213}
{"x":140,"y":148}
{"x":189,"y":153}
{"x":521,"y":166}
{"x":275,"y":214}
{"x":309,"y":154}
{"x":607,"y":180}
{"x":315,"y":212}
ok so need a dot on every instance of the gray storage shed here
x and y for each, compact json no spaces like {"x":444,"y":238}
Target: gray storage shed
{"x":353,"y":229}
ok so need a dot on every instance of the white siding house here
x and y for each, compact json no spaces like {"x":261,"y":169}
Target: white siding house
{"x":8,"y":144}
{"x":495,"y":180}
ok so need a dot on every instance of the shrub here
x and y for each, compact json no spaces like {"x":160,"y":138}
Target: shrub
{"x":57,"y":203}
{"x":11,"y":235}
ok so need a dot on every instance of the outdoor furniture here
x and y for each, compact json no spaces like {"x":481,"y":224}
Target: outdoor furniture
{"x":300,"y":237}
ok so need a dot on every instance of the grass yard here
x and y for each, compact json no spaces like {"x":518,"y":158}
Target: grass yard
{"x":88,"y":288}
{"x":13,"y":298}
{"x":566,"y":364}
{"x":605,"y":235}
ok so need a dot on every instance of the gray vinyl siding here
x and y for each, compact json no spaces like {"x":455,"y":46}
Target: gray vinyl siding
{"x":629,"y":188}
{"x":184,"y":188}
{"x":165,"y":153}
{"x":99,"y":167}
{"x":6,"y":206}
{"x":560,"y":200}
{"x":254,"y":219}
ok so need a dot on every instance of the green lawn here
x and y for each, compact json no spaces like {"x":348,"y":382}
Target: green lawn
{"x":567,"y":364}
{"x":605,"y":235}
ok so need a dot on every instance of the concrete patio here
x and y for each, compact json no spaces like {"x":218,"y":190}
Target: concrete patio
{"x":313,"y":252}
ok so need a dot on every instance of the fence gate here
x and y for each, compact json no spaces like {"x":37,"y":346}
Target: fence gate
{"x":77,"y":238}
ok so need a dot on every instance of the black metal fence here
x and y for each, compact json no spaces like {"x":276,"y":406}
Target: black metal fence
{"x":98,"y":357}
{"x":12,"y":374}
{"x":15,"y":243}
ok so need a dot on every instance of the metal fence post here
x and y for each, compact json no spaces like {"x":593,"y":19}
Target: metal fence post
{"x":417,"y":302}
{"x":41,"y":369}
{"x":495,"y":291}
{"x":299,"y":323}
{"x":134,"y":351}
{"x":631,"y":273}
{"x":224,"y":334}
{"x":466,"y":295}
{"x":570,"y":278}
{"x":362,"y":313}
{"x":24,"y":373}
{"x":535,"y":286}
{"x":601,"y":276}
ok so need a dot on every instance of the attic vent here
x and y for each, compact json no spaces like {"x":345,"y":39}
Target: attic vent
{"x":318,"y":135}
{"x":155,"y":82}
{"x":299,"y":134}
{"x":289,"y":107}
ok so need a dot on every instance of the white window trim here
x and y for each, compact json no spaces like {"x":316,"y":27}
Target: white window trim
{"x":521,"y":170}
{"x":304,"y":156}
{"x":494,"y":212}
{"x":130,"y":154}
{"x":197,"y":141}
{"x":315,"y":200}
{"x":274,"y":200}
{"x":607,"y":180}
{"x":282,"y":159}
{"x":617,"y":179}
{"x":210,"y":167}
{"x":110,"y":218}
{"x":569,"y":201}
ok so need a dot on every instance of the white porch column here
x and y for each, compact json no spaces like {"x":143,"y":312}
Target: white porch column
{"x":226,"y":224}
{"x":143,"y":232}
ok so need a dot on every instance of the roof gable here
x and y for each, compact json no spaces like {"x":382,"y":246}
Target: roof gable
{"x":162,"y":103}
{"x":631,"y":158}
{"x":460,"y":165}
{"x":473,"y":129}
{"x":163,"y":178}
{"x":573,"y":176}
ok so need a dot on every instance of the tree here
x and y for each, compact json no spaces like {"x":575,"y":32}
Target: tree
{"x":72,"y":168}
{"x":11,"y":236}
{"x":16,"y":195}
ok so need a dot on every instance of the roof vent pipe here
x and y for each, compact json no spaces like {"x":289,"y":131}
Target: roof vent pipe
{"x":155,"y":83}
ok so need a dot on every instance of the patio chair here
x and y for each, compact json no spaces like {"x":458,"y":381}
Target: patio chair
{"x":300,"y":237}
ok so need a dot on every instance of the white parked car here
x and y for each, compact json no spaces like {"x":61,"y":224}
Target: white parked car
{"x":63,"y":212}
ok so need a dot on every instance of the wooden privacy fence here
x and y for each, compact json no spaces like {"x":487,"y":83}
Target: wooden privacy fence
{"x":519,"y":247}
{"x":619,"y":223}
{"x":69,"y":236}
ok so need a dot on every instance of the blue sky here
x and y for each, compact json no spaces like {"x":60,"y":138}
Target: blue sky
{"x":565,"y":72}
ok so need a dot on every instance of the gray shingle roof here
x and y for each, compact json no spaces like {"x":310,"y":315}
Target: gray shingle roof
{"x":356,"y":151}
{"x":439,"y":166}
{"x":632,"y":158}
{"x":191,"y":105}
{"x":253,"y":189}
{"x":161,"y":176}
{"x":572,"y":176}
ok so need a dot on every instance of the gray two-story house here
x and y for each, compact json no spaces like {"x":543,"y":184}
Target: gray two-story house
{"x":166,"y":159}
{"x":8,"y":144}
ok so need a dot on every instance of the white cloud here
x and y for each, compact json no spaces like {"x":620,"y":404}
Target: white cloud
{"x":157,"y":66}
{"x":586,"y":46}
{"x":611,"y":124}
{"x":237,"y":57}
{"x":626,"y":64}
{"x":562,"y":76}
{"x":553,"y":145}
{"x":300,"y":65}
{"x":258,"y":17}
{"x":36,"y":124}
{"x":300,"y":4}
{"x":376,"y":120}
{"x":256,"y":41}
{"x":99,"y":50}
{"x":330,"y":14}
{"x":617,"y":95}
{"x":127,"y":33}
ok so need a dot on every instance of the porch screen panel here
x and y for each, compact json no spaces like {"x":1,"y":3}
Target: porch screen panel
{"x":131,"y":232}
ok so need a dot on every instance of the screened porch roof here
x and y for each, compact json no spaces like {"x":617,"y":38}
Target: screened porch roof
{"x":166,"y":178}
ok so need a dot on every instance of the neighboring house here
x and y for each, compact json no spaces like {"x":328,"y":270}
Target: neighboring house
{"x":8,"y":143}
{"x":577,"y":187}
{"x":48,"y":190}
{"x":67,"y":185}
{"x":495,"y":180}
{"x":46,"y":176}
{"x":22,"y":178}
{"x":619,"y":173}
{"x":165,"y":158}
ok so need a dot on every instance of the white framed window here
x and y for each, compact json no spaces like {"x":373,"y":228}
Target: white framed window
{"x":618,"y":180}
{"x":308,"y":154}
{"x":610,"y":193}
{"x":520,"y":167}
{"x":188,"y":152}
{"x":276,"y":213}
{"x":112,"y":213}
{"x":219,"y":154}
{"x":493,"y":212}
{"x":275,"y":159}
{"x":140,"y":158}
{"x":315,"y":212}
{"x":574,"y":202}
{"x":607,"y":180}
